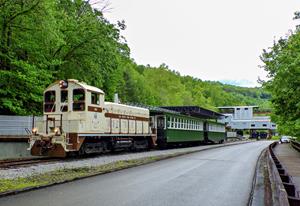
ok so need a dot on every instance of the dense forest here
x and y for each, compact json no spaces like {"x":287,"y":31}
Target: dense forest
{"x":282,"y":61}
{"x":46,"y":40}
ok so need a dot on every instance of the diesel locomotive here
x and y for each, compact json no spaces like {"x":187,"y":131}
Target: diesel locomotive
{"x":78,"y":121}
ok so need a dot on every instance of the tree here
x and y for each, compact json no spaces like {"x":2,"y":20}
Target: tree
{"x":282,"y":63}
{"x":45,"y":40}
{"x":27,"y":33}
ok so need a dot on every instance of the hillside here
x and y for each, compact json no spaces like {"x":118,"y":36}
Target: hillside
{"x":161,"y":86}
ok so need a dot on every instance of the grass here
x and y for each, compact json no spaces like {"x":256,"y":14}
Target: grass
{"x":275,"y":138}
{"x":64,"y":175}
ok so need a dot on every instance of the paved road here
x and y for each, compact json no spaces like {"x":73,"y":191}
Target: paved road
{"x":221,"y":176}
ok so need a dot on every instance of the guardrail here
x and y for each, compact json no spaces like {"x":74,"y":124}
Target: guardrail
{"x":295,"y":145}
{"x":283,"y":179}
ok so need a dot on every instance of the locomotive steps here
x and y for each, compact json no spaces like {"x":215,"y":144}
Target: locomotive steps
{"x":13,"y":181}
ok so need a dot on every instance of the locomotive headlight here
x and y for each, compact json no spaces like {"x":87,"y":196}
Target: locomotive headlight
{"x":63,"y":84}
{"x":34,"y":130}
{"x":56,"y":130}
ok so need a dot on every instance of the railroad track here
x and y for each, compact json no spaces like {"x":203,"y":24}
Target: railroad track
{"x":24,"y":162}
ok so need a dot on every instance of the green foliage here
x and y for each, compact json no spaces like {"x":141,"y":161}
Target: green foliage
{"x":26,"y":36}
{"x":282,"y":64}
{"x":45,"y":40}
{"x":161,"y":86}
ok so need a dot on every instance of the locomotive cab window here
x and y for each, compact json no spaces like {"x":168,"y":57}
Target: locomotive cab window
{"x":49,"y":100}
{"x":64,"y":96}
{"x":94,"y":98}
{"x":50,"y":96}
{"x":78,"y":100}
{"x":64,"y":99}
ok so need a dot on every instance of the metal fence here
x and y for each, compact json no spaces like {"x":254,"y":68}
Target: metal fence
{"x":296,"y":145}
{"x":15,"y":125}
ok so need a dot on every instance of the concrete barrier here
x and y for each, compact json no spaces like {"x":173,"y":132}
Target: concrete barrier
{"x":14,"y":150}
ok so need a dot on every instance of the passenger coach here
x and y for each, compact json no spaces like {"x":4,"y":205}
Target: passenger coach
{"x":186,"y":125}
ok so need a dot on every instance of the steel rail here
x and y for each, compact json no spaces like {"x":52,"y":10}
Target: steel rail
{"x":24,"y":162}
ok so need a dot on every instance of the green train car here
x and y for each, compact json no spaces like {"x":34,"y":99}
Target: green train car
{"x":174,"y":127}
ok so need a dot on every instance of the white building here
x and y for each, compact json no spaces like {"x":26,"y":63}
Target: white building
{"x":244,"y":118}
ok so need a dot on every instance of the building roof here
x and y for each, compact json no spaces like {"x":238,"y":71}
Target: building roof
{"x":232,"y":107}
{"x":154,"y":108}
{"x":195,"y":111}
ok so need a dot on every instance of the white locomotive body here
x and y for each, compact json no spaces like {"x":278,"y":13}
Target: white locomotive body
{"x":78,"y":120}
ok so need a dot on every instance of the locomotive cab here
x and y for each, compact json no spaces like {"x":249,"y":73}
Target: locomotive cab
{"x":70,"y":107}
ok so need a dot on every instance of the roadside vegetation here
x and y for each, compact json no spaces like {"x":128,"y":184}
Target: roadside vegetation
{"x":44,"y":40}
{"x":282,"y":61}
{"x":275,"y":138}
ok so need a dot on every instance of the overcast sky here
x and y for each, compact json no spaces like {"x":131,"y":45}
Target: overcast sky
{"x":209,"y":39}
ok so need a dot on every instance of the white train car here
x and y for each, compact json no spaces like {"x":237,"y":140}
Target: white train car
{"x":77,"y":120}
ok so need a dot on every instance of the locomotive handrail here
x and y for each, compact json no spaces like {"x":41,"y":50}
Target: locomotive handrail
{"x":28,"y":131}
{"x":54,"y":120}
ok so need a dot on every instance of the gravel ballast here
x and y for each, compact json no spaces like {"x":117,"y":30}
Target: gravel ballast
{"x":41,"y":168}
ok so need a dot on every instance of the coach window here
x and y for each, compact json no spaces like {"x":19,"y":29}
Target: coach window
{"x":168,"y":122}
{"x":94,"y":98}
{"x":49,"y":100}
{"x":64,"y":99}
{"x":78,"y":100}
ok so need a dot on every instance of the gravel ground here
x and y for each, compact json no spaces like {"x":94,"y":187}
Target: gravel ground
{"x":12,"y":173}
